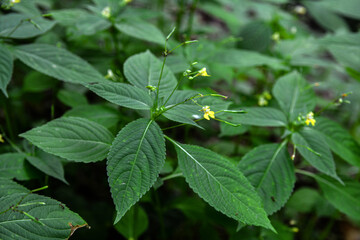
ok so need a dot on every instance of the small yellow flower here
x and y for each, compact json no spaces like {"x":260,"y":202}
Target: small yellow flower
{"x":208,"y":112}
{"x":275,"y":36}
{"x":1,"y":139}
{"x":127,"y":1}
{"x":310,"y":119}
{"x":202,"y":73}
{"x":106,"y":12}
{"x":15,"y":1}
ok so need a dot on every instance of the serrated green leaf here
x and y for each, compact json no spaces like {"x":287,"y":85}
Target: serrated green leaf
{"x":228,"y":130}
{"x":15,"y":25}
{"x":72,"y":138}
{"x":123,"y":94}
{"x":313,"y":147}
{"x":71,"y":98}
{"x":221,"y":184}
{"x":101,"y":114}
{"x":141,"y":30}
{"x":134,"y":162}
{"x":349,"y":8}
{"x":8,"y":187}
{"x":294,"y":95}
{"x":90,"y":24}
{"x":58,"y":63}
{"x":49,"y":165}
{"x":143,"y":70}
{"x":13,"y":165}
{"x":270,"y":170}
{"x":6,"y":68}
{"x":51,"y":219}
{"x":340,"y":141}
{"x":258,"y":116}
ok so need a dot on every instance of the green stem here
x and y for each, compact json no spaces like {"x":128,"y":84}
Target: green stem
{"x":171,"y":176}
{"x":191,"y":19}
{"x":177,"y":85}
{"x":179,"y":17}
{"x":158,"y":85}
{"x":160,"y":214}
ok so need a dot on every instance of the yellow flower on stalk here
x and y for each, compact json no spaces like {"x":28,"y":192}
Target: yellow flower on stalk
{"x":1,"y":139}
{"x":15,"y":1}
{"x":208,"y":113}
{"x":310,"y":119}
{"x":202,"y":72}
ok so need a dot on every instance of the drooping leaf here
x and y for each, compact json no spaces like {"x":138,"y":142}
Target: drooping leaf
{"x":49,"y":165}
{"x":15,"y":25}
{"x":123,"y":94}
{"x":144,"y":69}
{"x":101,"y":114}
{"x":72,"y":138}
{"x":134,"y":162}
{"x":339,"y":140}
{"x":71,"y":98}
{"x":6,"y":68}
{"x":221,"y":184}
{"x":49,"y":219}
{"x":313,"y":147}
{"x":133,"y":224}
{"x":270,"y":170}
{"x":294,"y":95}
{"x":58,"y":63}
{"x":141,"y":30}
{"x":38,"y":82}
{"x":258,"y":116}
{"x":13,"y":165}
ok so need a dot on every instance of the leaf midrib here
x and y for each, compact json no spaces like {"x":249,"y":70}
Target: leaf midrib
{"x":67,"y":139}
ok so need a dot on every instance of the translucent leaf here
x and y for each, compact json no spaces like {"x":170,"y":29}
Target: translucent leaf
{"x":134,"y":162}
{"x":58,"y":63}
{"x":221,"y":184}
{"x":6,"y":68}
{"x":72,"y":138}
{"x":144,"y":69}
{"x":270,"y":170}
{"x":123,"y":94}
{"x":294,"y":95}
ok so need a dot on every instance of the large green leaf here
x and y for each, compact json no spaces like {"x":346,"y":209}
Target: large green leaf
{"x":134,"y":162}
{"x":8,"y":187}
{"x":72,"y":138}
{"x":144,"y":69}
{"x":141,"y":30}
{"x":101,"y":114}
{"x":49,"y":219}
{"x":345,"y":198}
{"x":349,"y":8}
{"x":258,"y":116}
{"x":6,"y":68}
{"x":49,"y":165}
{"x":123,"y":94}
{"x":58,"y":63}
{"x":339,"y":140}
{"x":270,"y":170}
{"x":13,"y":165}
{"x":71,"y":98}
{"x":15,"y":25}
{"x":348,"y":56}
{"x":294,"y":95}
{"x":313,"y":147}
{"x":221,"y":184}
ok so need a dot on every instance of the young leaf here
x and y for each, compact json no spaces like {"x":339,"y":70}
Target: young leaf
{"x":13,"y":165}
{"x":49,"y":165}
{"x":258,"y":116}
{"x":123,"y":94}
{"x":143,"y":70}
{"x":313,"y":147}
{"x":101,"y":114}
{"x":58,"y":63}
{"x":36,"y":217}
{"x":6,"y":68}
{"x":134,"y":162}
{"x":221,"y":184}
{"x":15,"y":25}
{"x":72,"y":138}
{"x":141,"y":30}
{"x":339,"y":140}
{"x":270,"y":170}
{"x":294,"y":95}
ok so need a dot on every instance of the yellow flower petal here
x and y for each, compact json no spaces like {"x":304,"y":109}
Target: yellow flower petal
{"x":206,"y":116}
{"x":211,"y":114}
